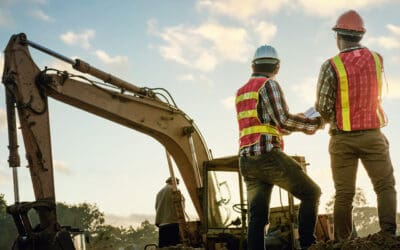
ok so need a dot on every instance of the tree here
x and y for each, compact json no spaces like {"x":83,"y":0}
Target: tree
{"x":84,"y":216}
{"x":88,"y":218}
{"x":8,"y":231}
{"x":145,"y":234}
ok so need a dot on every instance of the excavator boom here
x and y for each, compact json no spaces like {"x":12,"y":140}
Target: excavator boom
{"x":28,"y":89}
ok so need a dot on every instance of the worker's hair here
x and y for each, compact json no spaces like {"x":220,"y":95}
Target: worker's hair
{"x":350,"y":38}
{"x":265,"y":67}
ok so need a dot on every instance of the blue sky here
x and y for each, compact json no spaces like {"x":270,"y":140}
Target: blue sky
{"x":200,"y":51}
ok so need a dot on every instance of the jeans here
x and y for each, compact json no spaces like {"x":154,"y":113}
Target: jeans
{"x":260,"y":174}
{"x":372,"y":148}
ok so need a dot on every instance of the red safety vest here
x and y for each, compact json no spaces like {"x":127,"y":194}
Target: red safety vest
{"x":358,"y":102}
{"x":250,"y":126}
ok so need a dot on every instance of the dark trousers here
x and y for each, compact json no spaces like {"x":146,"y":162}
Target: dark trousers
{"x":260,"y":174}
{"x":372,"y":148}
{"x":168,"y":235}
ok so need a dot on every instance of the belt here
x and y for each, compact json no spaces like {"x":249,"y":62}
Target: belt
{"x":353,"y":132}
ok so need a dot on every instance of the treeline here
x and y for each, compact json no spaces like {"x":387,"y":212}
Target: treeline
{"x":90,"y":219}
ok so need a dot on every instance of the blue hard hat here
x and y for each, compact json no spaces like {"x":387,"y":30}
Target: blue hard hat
{"x":265,"y":54}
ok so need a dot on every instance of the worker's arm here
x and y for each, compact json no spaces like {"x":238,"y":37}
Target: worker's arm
{"x":278,"y":110}
{"x":326,"y":92}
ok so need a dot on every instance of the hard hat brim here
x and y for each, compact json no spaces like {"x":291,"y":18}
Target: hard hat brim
{"x":348,"y":32}
{"x":266,"y":61}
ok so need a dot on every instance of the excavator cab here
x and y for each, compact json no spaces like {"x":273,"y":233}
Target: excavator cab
{"x":231,"y":232}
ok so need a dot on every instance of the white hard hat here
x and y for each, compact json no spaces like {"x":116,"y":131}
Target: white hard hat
{"x":265,"y":54}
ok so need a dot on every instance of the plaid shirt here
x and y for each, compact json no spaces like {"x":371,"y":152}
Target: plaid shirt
{"x":326,"y":91}
{"x":273,"y":110}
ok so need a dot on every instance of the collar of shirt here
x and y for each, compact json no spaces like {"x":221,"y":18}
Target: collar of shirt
{"x":259,"y":74}
{"x":352,"y":48}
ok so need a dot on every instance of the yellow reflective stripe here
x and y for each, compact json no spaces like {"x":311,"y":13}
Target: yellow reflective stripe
{"x":344,"y":92}
{"x":247,"y":114}
{"x":246,"y":96}
{"x":260,"y":129}
{"x":378,"y":68}
{"x":381,"y":120}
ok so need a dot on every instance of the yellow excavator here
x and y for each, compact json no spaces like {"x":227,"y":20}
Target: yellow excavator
{"x":222,"y":218}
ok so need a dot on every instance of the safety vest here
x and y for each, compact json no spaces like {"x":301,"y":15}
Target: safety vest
{"x":358,"y":102}
{"x":250,"y":126}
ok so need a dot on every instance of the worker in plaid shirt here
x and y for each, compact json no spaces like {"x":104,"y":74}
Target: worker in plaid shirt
{"x":263,"y":118}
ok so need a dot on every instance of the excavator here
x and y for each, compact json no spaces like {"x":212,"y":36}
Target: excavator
{"x":152,"y":111}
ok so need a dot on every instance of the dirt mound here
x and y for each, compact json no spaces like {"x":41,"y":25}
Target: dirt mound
{"x":375,"y":241}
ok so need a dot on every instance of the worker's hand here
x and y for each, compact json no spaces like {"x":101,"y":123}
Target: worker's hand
{"x":321,"y":122}
{"x":301,"y":115}
{"x":310,"y":132}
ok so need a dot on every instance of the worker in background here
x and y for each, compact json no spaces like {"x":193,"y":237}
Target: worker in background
{"x":349,"y":98}
{"x":264,"y":117}
{"x":166,"y":215}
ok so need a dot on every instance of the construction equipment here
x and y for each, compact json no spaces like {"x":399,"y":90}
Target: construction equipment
{"x":139,"y":108}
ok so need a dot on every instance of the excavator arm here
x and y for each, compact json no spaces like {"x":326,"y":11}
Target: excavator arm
{"x":141,"y":109}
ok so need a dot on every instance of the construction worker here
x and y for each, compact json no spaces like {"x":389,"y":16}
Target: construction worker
{"x":349,"y":98}
{"x":166,"y":215}
{"x":264,"y":117}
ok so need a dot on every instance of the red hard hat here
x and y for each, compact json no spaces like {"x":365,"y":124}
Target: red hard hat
{"x":350,"y":21}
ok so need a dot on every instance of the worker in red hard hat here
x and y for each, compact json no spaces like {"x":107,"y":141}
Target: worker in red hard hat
{"x":263,"y":118}
{"x":349,"y":99}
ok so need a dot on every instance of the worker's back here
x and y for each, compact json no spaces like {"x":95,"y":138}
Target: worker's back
{"x":165,"y":209}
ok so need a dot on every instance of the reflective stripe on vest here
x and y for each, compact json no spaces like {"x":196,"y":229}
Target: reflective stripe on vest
{"x":378,"y":68}
{"x":250,"y":126}
{"x":344,"y":92}
{"x":262,"y":129}
{"x":346,"y":106}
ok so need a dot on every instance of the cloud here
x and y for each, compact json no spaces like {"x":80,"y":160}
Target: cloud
{"x":5,"y":19}
{"x":243,"y":10}
{"x":63,"y":66}
{"x":239,"y":9}
{"x":265,"y":30}
{"x":306,"y":90}
{"x":82,"y":39}
{"x":1,"y":63}
{"x":39,"y":14}
{"x":105,"y":58}
{"x":386,"y":42}
{"x":202,"y":47}
{"x":395,"y":30}
{"x":3,"y":119}
{"x":62,"y":167}
{"x":38,"y":1}
{"x":3,"y":178}
{"x":186,"y":78}
{"x":391,"y":88}
{"x":229,"y":102}
{"x":329,"y":8}
{"x":390,"y":41}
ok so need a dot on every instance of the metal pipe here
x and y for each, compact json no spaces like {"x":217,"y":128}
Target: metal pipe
{"x":84,"y":67}
{"x":195,"y":162}
{"x":13,"y":160}
{"x":50,"y":52}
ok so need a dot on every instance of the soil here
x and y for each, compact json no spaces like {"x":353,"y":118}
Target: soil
{"x":377,"y":241}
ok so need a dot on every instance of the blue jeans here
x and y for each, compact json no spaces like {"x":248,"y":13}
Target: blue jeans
{"x":260,"y":174}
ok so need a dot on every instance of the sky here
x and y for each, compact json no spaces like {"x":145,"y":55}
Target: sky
{"x":200,"y":51}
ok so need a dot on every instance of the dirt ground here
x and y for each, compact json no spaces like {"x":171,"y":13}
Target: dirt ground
{"x":377,"y":241}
